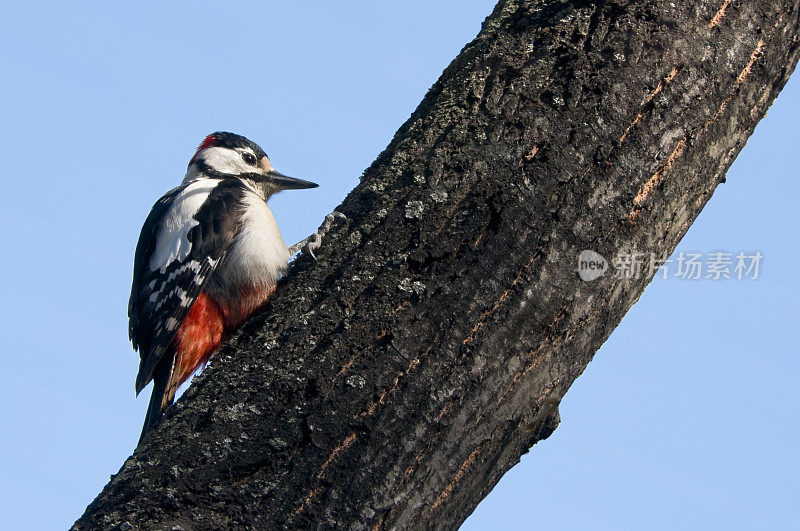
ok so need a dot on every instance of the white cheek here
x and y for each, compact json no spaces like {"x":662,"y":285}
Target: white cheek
{"x":225,"y":160}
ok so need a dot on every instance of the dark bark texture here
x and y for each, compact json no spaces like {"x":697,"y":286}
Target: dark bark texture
{"x":392,"y":383}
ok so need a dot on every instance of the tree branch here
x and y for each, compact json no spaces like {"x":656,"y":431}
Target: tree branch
{"x":394,"y":382}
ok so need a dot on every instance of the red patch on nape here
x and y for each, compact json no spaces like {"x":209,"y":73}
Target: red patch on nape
{"x":207,"y":142}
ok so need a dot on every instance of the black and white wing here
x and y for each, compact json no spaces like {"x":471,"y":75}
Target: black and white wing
{"x":182,"y":241}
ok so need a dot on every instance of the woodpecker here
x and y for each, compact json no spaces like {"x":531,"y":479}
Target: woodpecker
{"x":209,"y":254}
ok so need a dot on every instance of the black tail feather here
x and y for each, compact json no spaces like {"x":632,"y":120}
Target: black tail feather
{"x":162,"y":396}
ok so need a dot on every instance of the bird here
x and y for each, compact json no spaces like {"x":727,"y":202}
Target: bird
{"x":209,"y":255}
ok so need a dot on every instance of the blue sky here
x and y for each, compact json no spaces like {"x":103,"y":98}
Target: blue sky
{"x":686,"y":418}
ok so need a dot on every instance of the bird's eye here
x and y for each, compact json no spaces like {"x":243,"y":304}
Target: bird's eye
{"x":249,"y":158}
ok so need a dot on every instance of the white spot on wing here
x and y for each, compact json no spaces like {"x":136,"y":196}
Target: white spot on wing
{"x":183,"y":296}
{"x":172,"y":240}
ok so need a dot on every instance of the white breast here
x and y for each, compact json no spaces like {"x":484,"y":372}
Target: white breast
{"x":257,"y":256}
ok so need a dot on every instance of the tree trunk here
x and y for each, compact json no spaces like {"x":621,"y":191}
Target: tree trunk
{"x":392,"y":383}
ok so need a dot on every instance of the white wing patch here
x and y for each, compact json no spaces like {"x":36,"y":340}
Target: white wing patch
{"x":172,"y":241}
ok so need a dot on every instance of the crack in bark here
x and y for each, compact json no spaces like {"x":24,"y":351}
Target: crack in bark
{"x":661,"y":84}
{"x":719,"y":15}
{"x":462,"y":470}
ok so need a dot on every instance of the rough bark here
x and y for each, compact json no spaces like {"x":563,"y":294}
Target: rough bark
{"x":393,"y":382}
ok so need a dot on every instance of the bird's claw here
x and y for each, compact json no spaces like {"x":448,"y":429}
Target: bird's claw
{"x":313,"y":242}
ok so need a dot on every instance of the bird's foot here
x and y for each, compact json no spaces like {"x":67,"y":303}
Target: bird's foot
{"x":312,"y":243}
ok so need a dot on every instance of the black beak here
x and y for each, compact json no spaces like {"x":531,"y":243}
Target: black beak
{"x":284,"y":182}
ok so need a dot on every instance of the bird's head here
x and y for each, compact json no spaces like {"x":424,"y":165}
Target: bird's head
{"x":223,"y":155}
